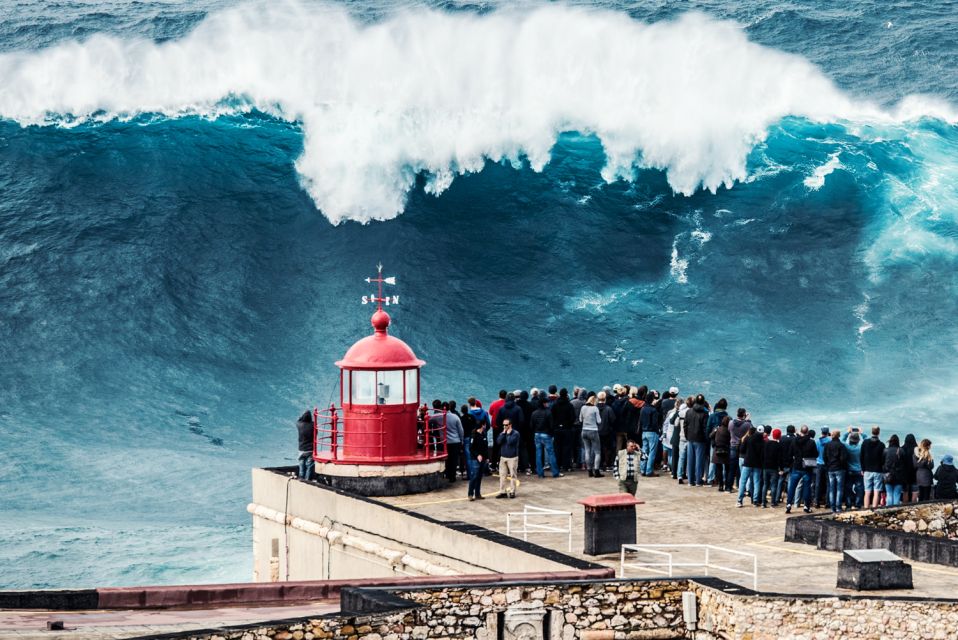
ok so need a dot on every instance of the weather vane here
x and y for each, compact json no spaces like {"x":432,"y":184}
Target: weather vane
{"x":379,"y":299}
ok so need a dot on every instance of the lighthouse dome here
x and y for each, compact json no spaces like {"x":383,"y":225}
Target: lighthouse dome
{"x":380,"y":350}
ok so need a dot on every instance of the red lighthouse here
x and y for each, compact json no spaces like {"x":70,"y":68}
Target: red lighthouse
{"x":377,"y":443}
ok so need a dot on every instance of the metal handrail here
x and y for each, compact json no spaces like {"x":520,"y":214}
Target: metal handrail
{"x":671,"y":564}
{"x":329,"y":426}
{"x":530,"y":511}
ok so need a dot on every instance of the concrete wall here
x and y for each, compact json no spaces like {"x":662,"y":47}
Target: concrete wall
{"x":305,"y":531}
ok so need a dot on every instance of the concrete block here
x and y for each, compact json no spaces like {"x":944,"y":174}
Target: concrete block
{"x":873,"y":569}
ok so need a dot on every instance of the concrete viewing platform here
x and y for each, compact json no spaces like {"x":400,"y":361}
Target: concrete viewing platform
{"x":674,"y":514}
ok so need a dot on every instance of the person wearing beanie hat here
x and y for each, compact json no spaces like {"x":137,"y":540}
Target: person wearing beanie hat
{"x":773,"y":469}
{"x":946,"y":477}
{"x":854,"y":476}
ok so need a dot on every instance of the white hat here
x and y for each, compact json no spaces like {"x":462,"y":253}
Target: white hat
{"x":760,"y":429}
{"x":674,"y":390}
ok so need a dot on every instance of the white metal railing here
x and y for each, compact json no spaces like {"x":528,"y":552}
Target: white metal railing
{"x":669,"y":565}
{"x":529,"y":511}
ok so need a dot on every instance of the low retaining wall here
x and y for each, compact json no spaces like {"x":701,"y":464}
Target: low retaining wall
{"x":607,"y":610}
{"x":870,"y":530}
{"x":248,"y":593}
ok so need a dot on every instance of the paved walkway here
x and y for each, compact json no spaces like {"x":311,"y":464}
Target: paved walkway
{"x":675,"y":514}
{"x":97,"y":625}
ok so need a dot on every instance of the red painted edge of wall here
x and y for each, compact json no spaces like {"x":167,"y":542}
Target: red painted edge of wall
{"x":262,"y":593}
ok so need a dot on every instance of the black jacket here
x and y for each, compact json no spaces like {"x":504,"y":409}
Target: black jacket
{"x":664,"y":407}
{"x":752,"y":448}
{"x":526,"y":407}
{"x":947,"y":477}
{"x":923,"y":470}
{"x":608,"y":419}
{"x":541,"y":421}
{"x":469,"y":423}
{"x":873,"y":455}
{"x":479,"y":446}
{"x":510,"y":411}
{"x":649,"y":420}
{"x":835,"y":455}
{"x":895,"y":465}
{"x":803,"y":447}
{"x":305,"y":428}
{"x":721,"y":445}
{"x":563,"y":414}
{"x":696,"y":419}
{"x":773,"y":455}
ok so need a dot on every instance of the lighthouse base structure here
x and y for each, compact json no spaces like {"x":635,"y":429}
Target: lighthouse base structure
{"x":382,"y":480}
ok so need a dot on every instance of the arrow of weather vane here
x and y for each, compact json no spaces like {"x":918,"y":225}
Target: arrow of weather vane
{"x":379,"y":299}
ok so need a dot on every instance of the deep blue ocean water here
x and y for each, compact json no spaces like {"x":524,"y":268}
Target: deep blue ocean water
{"x":756,"y":201}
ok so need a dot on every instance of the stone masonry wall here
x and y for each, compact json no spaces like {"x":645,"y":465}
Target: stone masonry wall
{"x":936,"y":519}
{"x":736,"y":617}
{"x":616,"y":610}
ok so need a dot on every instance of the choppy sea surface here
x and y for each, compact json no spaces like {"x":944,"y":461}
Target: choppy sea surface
{"x":755,"y":200}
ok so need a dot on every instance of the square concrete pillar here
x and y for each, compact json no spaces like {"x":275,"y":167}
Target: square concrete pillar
{"x":609,"y":523}
{"x":872,"y":569}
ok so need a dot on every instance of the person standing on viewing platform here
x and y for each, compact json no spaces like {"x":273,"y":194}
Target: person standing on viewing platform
{"x":924,"y":465}
{"x":680,"y":413}
{"x":469,"y":425}
{"x":873,"y":462}
{"x":751,"y":450}
{"x":836,"y":464}
{"x":591,"y":419}
{"x":854,"y":480}
{"x":820,"y":493}
{"x":721,"y":444}
{"x":545,"y":451}
{"x":563,"y":423}
{"x":894,"y":469}
{"x":494,"y":408}
{"x":666,"y":430}
{"x":626,"y":467}
{"x":715,"y":419}
{"x":910,"y":492}
{"x":478,"y":458}
{"x":606,"y":430}
{"x":802,"y":465}
{"x":579,"y":398}
{"x":509,"y":443}
{"x":305,"y":431}
{"x":946,"y":479}
{"x":772,"y":466}
{"x":650,"y":426}
{"x":696,"y":421}
{"x":454,"y":435}
{"x":527,"y":448}
{"x":738,"y":428}
{"x":619,"y":403}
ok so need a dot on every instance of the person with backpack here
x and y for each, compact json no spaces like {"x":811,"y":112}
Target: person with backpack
{"x":721,"y":444}
{"x":946,"y":479}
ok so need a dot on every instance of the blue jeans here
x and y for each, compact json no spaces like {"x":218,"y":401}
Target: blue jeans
{"x":753,"y":476}
{"x":466,"y":445}
{"x":683,"y":451}
{"x":306,"y":465}
{"x":894,"y":494}
{"x":476,"y":471}
{"x":854,"y":489}
{"x":544,"y":448}
{"x":696,"y":462}
{"x":731,"y":475}
{"x":650,"y":445}
{"x":771,"y":483}
{"x":807,"y":478}
{"x":836,"y":489}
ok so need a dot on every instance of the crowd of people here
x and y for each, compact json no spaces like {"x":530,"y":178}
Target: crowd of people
{"x":636,"y":432}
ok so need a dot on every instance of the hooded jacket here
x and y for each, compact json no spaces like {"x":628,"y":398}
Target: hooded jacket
{"x":649,"y":421}
{"x":479,"y":445}
{"x":894,"y":465}
{"x":695,"y":421}
{"x":835,"y":455}
{"x":803,"y":447}
{"x":304,"y":426}
{"x":526,"y":407}
{"x":632,"y":412}
{"x":946,"y":476}
{"x":873,"y":455}
{"x":752,"y":449}
{"x":721,"y":443}
{"x":542,"y":421}
{"x":510,"y":411}
{"x":773,"y":458}
{"x":715,"y":419}
{"x":563,"y":415}
{"x":577,"y":403}
{"x":738,"y":428}
{"x":608,"y":418}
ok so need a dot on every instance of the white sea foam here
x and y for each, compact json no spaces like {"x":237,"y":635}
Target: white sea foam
{"x":817,"y":180}
{"x":438,"y":94}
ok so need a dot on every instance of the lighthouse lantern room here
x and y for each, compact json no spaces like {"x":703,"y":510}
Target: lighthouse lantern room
{"x":378,"y":442}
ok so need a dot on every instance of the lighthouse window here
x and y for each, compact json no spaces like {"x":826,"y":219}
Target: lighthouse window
{"x":389,"y":387}
{"x":412,"y":386}
{"x":364,"y":387}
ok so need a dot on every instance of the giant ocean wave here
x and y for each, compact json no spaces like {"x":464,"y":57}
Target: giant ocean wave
{"x":437,"y":94}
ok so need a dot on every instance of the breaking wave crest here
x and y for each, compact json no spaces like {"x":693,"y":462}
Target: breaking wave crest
{"x":438,"y":94}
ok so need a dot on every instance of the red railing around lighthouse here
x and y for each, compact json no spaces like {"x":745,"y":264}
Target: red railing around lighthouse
{"x":330,"y":443}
